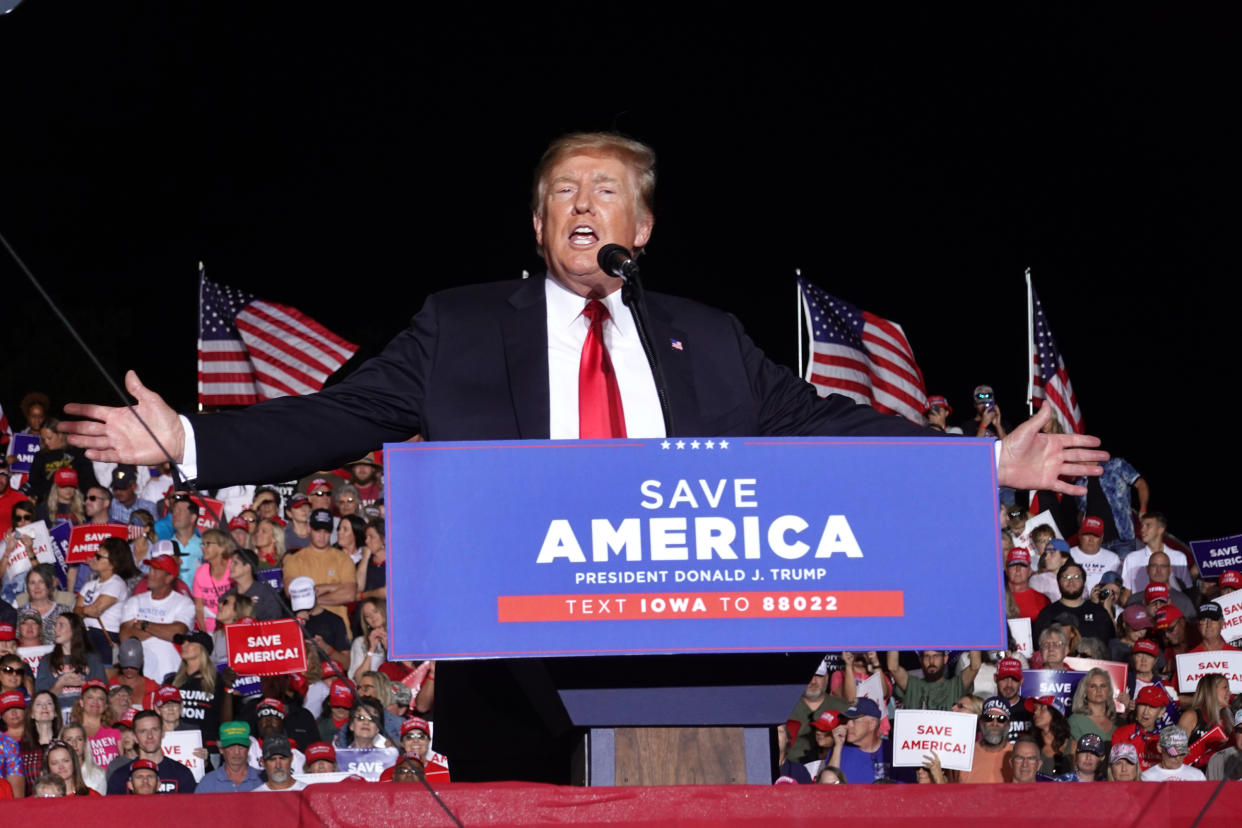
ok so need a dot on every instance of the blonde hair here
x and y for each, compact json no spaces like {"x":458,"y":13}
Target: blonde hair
{"x":636,"y":155}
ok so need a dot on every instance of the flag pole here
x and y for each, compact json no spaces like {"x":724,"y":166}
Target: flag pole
{"x":798,"y":313}
{"x":1030,"y":348}
{"x":197,"y":395}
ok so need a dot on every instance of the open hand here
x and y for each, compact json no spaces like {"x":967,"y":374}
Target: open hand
{"x":1030,"y":459}
{"x":114,"y":435}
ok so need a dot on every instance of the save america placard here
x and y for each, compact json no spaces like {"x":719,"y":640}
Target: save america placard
{"x":575,"y":547}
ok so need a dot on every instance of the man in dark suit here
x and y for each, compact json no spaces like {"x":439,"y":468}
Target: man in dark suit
{"x":504,"y":361}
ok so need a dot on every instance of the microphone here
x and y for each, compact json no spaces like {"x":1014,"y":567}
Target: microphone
{"x":615,"y":260}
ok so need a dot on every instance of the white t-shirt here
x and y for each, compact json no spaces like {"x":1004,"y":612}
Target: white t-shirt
{"x":160,"y":657}
{"x":1134,"y":570}
{"x":1183,"y":773}
{"x":1095,"y":566}
{"x":111,"y":617}
{"x":298,"y":785}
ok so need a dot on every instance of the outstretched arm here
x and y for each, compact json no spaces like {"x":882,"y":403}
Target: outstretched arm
{"x":115,"y":435}
{"x":1030,"y":459}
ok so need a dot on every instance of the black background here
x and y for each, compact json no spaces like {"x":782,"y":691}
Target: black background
{"x":349,"y":161}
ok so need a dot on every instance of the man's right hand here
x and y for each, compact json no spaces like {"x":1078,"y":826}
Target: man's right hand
{"x":114,"y":434}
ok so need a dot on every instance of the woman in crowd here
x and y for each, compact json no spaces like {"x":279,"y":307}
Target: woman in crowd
{"x":61,"y":760}
{"x":21,"y":514}
{"x":64,"y":501}
{"x":211,"y":579}
{"x":95,"y":716}
{"x":120,"y":698}
{"x":968,"y":704}
{"x":1053,"y":734}
{"x":348,"y":502}
{"x":74,"y":735}
{"x":101,"y":600}
{"x":370,"y":649}
{"x":1132,"y":624}
{"x":269,"y":543}
{"x":141,"y":546}
{"x":1123,"y":763}
{"x":30,"y":629}
{"x":1208,"y":709}
{"x":365,"y":727}
{"x":41,"y":597}
{"x":42,"y":728}
{"x":372,"y":579}
{"x":930,"y":772}
{"x":351,"y":536}
{"x":197,"y":678}
{"x":1055,"y":554}
{"x":1093,"y":709}
{"x":14,"y":715}
{"x":830,"y":775}
{"x":71,"y":662}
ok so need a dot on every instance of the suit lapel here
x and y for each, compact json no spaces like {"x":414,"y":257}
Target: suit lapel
{"x":525,"y":335}
{"x":677,"y":366}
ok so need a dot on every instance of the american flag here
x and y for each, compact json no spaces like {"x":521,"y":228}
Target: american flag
{"x":862,"y":356}
{"x":1049,"y":379}
{"x":250,"y":350}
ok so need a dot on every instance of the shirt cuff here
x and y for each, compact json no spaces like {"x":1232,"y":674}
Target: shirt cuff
{"x":189,"y":455}
{"x":995,"y":454}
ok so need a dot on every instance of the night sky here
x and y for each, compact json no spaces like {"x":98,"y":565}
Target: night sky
{"x":349,"y":162}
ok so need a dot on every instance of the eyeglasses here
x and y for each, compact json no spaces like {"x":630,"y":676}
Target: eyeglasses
{"x":1017,"y":758}
{"x":100,"y":556}
{"x":417,"y":735}
{"x":992,"y":718}
{"x":347,"y":500}
{"x":1069,"y":577}
{"x":362,"y":717}
{"x":321,"y":493}
{"x":11,"y":670}
{"x":22,"y":518}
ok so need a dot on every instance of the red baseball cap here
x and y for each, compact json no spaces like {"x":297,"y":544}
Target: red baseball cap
{"x":12,"y":699}
{"x":167,"y":694}
{"x":98,"y":684}
{"x":1156,"y":592}
{"x":415,"y":723}
{"x":1009,"y":668}
{"x":1230,"y":578}
{"x":1148,"y":647}
{"x":270,"y":707}
{"x":1167,"y":616}
{"x":1091,"y":526}
{"x":165,"y":562}
{"x":1018,"y":555}
{"x":938,"y":401}
{"x":66,"y":476}
{"x":331,"y":668}
{"x":7,"y":633}
{"x":317,"y":482}
{"x":1152,"y":696}
{"x":1047,"y":701}
{"x":298,"y":684}
{"x":340,"y":695}
{"x":239,"y":522}
{"x":127,"y":718}
{"x":826,"y":721}
{"x":143,"y":764}
{"x":320,"y":750}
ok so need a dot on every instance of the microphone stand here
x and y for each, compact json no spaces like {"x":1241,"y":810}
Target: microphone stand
{"x":632,"y":297}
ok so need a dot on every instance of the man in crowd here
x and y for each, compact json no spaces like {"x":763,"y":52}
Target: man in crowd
{"x":269,"y":719}
{"x":156,"y":617}
{"x":815,"y":699}
{"x":1024,"y":760}
{"x":1017,"y":574}
{"x":1109,"y":497}
{"x":1008,"y":687}
{"x":277,"y":756}
{"x":364,"y":474}
{"x":144,"y":778}
{"x":1160,"y":590}
{"x":235,"y":775}
{"x":185,"y":533}
{"x":867,"y":757}
{"x":331,"y":569}
{"x":1092,"y":619}
{"x":320,"y":758}
{"x":125,"y":499}
{"x":991,"y":761}
{"x":1171,"y":625}
{"x":933,"y":691}
{"x":323,"y":627}
{"x":987,"y":421}
{"x":1152,"y":529}
{"x":1211,"y":622}
{"x":129,"y":671}
{"x":1173,"y":746}
{"x":1094,"y":560}
{"x":590,"y":190}
{"x":174,"y":777}
{"x":1150,"y":702}
{"x":1089,"y":756}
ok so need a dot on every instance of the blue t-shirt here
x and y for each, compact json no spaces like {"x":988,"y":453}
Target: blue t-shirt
{"x":861,"y":767}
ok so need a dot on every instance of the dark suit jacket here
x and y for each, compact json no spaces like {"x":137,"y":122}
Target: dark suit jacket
{"x":473,"y":365}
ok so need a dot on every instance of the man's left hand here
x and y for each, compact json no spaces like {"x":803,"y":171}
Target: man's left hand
{"x":1030,"y":459}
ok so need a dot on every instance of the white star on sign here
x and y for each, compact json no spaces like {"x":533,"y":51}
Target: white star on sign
{"x":694,"y":444}
{"x":681,"y":444}
{"x":665,"y":445}
{"x":724,"y":444}
{"x":710,"y":444}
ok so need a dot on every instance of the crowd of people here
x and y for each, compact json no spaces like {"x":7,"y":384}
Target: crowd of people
{"x":100,"y":662}
{"x":1096,"y":577}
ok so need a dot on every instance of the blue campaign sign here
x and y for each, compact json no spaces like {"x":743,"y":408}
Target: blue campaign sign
{"x":1060,"y":684}
{"x":575,"y":547}
{"x":275,"y":578}
{"x":1217,"y":555}
{"x":25,"y":447}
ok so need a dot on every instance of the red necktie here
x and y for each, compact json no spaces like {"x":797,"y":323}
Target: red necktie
{"x":599,"y":399}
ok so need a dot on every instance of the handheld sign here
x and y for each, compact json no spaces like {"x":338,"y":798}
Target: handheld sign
{"x":24,"y":448}
{"x":16,"y":558}
{"x":368,"y":763}
{"x":207,"y":516}
{"x":577,"y":547}
{"x":38,"y":533}
{"x":1116,"y":670}
{"x":84,"y":540}
{"x":275,"y":578}
{"x":266,"y":648}
{"x":1216,"y":555}
{"x":104,"y":747}
{"x":1020,"y":629}
{"x":1059,"y":684}
{"x":179,"y":746}
{"x":917,"y":733}
{"x":1191,"y":667}
{"x":1231,"y":607}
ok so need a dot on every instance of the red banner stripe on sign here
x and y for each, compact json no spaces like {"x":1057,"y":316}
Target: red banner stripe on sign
{"x":266,"y":648}
{"x":84,"y":540}
{"x":648,"y":606}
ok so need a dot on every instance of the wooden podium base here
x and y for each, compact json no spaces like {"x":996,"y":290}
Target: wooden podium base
{"x":679,"y":756}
